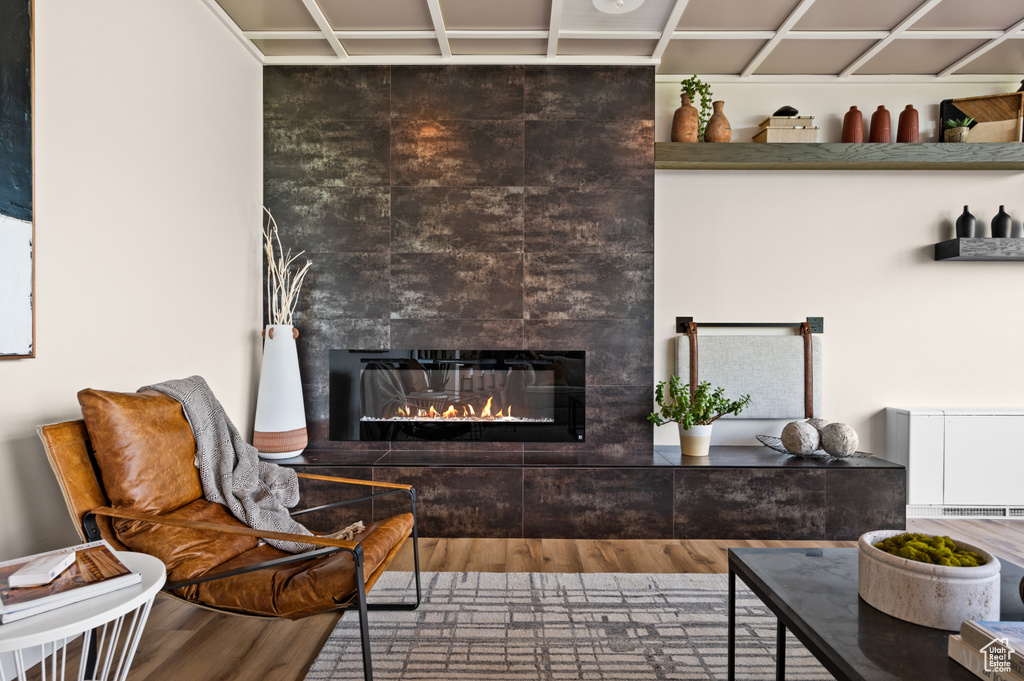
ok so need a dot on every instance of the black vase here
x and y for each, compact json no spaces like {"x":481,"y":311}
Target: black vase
{"x":1001,"y":224}
{"x":965,"y":225}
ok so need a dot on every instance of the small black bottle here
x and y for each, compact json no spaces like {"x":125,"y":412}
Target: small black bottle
{"x":965,"y":225}
{"x":1001,"y":224}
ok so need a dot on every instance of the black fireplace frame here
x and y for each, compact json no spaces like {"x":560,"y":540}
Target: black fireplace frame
{"x":557,"y":382}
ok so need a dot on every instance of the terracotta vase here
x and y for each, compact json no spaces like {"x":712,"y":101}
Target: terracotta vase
{"x":686,"y":122}
{"x":907,"y":130}
{"x":718,"y":129}
{"x":881,"y":126}
{"x":853,"y":126}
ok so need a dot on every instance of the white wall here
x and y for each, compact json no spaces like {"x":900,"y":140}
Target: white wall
{"x":853,"y":246}
{"x":148,"y":192}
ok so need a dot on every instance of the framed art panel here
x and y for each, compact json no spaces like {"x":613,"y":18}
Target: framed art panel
{"x":17,"y":235}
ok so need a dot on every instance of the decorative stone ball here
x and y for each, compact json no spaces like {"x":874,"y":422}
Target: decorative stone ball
{"x":839,"y":439}
{"x":818,"y":424}
{"x":786,"y":111}
{"x":799,"y":437}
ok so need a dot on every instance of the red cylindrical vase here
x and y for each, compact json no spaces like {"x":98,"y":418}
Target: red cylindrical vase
{"x":881,"y":126}
{"x":853,"y":126}
{"x":907,"y":130}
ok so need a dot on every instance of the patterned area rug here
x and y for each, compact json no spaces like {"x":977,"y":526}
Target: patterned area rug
{"x":483,"y":626}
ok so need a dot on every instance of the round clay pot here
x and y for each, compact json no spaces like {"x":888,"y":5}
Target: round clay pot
{"x":908,"y":130}
{"x":718,"y":129}
{"x":956,"y":134}
{"x":881,"y":126}
{"x":686,"y":121}
{"x":853,"y":126}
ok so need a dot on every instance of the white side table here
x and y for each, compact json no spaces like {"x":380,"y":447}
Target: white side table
{"x":116,"y":620}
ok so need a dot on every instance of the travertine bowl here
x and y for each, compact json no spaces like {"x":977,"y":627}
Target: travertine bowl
{"x":936,"y":596}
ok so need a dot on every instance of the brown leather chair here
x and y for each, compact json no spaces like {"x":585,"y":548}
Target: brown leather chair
{"x":128,"y":476}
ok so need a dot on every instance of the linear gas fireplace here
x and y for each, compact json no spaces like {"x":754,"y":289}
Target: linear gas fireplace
{"x":458,"y":395}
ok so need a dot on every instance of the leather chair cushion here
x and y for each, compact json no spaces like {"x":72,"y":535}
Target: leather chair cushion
{"x":144,"y":448}
{"x":302,"y":588}
{"x":187,"y":553}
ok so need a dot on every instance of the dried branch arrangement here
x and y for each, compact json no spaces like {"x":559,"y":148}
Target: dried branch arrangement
{"x":284,"y":276}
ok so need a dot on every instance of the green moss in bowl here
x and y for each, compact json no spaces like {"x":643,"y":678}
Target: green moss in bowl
{"x":925,"y":548}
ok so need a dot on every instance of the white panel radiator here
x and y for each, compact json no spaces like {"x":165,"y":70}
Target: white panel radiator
{"x":960,"y":462}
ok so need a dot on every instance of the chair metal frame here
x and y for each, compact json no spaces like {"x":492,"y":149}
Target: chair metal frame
{"x":358,"y":601}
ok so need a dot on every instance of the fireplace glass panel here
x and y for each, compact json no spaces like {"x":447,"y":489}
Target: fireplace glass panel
{"x":460,"y":395}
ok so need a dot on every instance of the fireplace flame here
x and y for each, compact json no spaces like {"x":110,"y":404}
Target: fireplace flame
{"x":452,"y":412}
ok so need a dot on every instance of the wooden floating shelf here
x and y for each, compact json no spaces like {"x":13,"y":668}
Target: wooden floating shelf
{"x":980,"y":249}
{"x":864,"y":156}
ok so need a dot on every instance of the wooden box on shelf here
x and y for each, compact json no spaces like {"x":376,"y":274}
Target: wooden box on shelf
{"x":785,"y":129}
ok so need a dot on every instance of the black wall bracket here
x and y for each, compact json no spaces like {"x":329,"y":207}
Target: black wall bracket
{"x":817,"y":324}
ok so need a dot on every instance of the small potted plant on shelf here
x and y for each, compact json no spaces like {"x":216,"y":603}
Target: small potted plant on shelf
{"x":957,"y":129}
{"x":695,"y":414}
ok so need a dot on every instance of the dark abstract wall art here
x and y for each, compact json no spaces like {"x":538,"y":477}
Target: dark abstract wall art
{"x":17,"y":328}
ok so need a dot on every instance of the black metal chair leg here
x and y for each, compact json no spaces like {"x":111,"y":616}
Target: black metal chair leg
{"x":364,"y":623}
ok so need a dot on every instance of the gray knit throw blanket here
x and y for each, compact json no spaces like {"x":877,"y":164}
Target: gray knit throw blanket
{"x":257,"y":492}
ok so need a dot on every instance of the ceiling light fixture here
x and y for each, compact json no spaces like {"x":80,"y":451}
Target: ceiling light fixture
{"x":617,"y":6}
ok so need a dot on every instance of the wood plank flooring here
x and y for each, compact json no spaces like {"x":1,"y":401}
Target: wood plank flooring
{"x":186,"y":642}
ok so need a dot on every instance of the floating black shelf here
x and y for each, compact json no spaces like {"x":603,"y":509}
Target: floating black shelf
{"x":980,"y":249}
{"x":863,"y":156}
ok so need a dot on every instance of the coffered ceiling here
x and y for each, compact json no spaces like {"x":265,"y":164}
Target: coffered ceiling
{"x":815,"y":40}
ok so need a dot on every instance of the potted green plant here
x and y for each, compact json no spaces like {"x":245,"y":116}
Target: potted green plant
{"x":695,"y":415}
{"x":691,"y":87}
{"x":957,"y":129}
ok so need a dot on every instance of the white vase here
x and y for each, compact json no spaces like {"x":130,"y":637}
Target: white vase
{"x":280,"y":414}
{"x":696,"y":440}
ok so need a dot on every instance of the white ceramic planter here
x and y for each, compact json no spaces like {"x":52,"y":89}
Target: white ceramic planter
{"x":280,"y":414}
{"x":696,"y":440}
{"x":936,"y":596}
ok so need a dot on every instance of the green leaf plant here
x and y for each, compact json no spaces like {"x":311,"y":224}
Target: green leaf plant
{"x":705,"y":407}
{"x":959,"y":123}
{"x":694,"y":86}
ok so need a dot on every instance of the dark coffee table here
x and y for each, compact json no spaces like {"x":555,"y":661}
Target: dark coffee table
{"x":813,"y":593}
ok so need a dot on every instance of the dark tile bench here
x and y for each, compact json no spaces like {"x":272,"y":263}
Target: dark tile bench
{"x":736,"y":493}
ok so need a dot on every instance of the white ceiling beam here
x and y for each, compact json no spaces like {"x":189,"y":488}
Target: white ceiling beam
{"x":610,"y":35}
{"x":642,"y":35}
{"x":999,"y":80}
{"x":670,"y":27}
{"x":895,"y":33}
{"x":439,"y":28}
{"x":780,"y":34}
{"x":325,"y":27}
{"x":228,"y":22}
{"x":499,"y":35}
{"x":425,"y":59}
{"x":554,"y":27}
{"x":960,"y":63}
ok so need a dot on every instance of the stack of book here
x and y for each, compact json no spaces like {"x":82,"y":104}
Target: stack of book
{"x":787,"y":129}
{"x":94,"y":571}
{"x":990,"y":650}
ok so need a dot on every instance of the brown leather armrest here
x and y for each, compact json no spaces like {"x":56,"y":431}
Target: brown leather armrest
{"x":218,"y":527}
{"x":365,"y":483}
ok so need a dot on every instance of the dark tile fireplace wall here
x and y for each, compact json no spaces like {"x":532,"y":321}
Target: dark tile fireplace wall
{"x":507,"y":207}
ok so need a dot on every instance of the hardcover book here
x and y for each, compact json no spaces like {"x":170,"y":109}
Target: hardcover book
{"x":979,"y":635}
{"x":96,"y":571}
